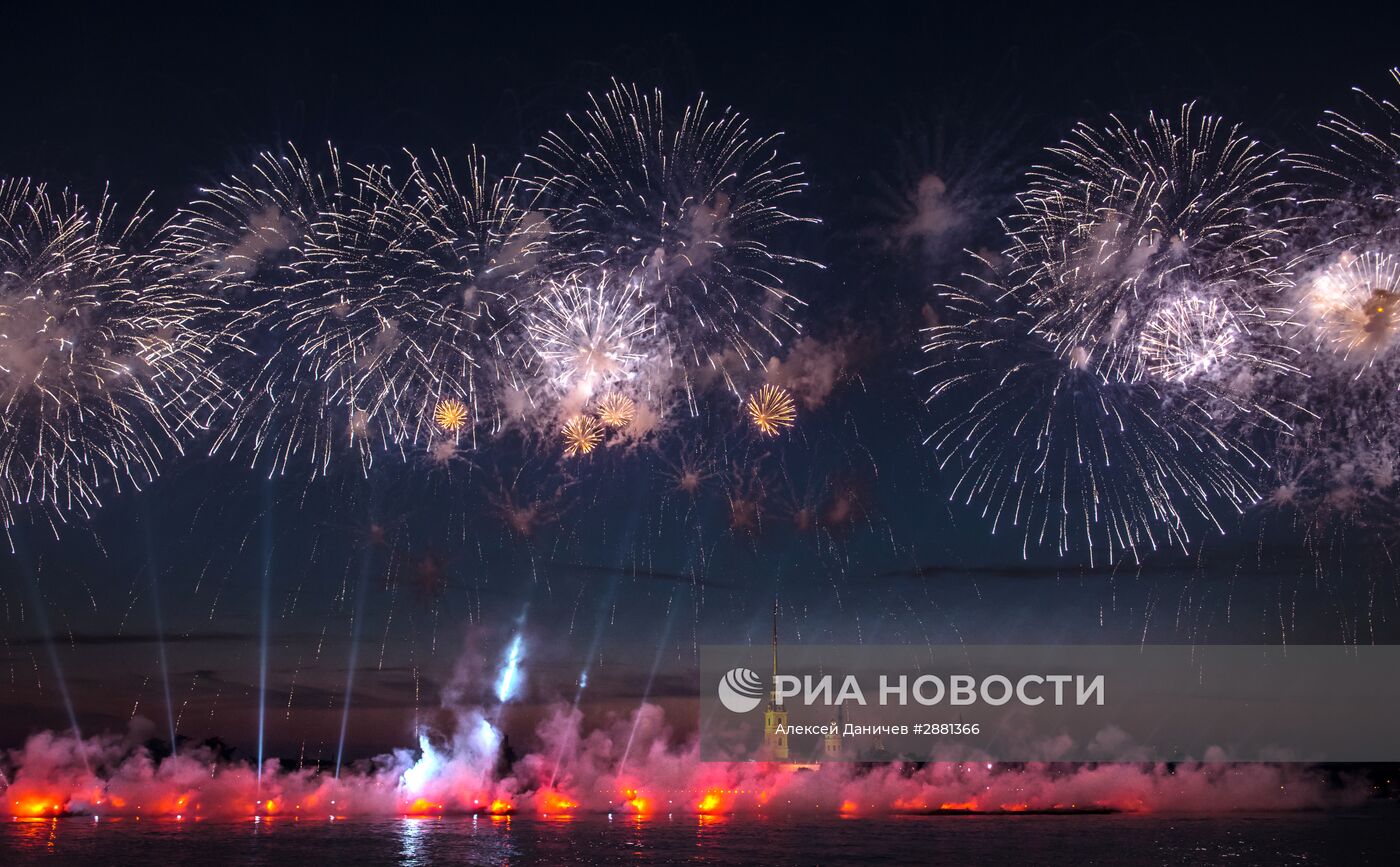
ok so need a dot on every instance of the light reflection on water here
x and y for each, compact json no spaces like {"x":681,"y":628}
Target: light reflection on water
{"x":412,"y":851}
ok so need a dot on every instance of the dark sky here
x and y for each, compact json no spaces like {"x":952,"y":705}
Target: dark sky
{"x":625,"y":576}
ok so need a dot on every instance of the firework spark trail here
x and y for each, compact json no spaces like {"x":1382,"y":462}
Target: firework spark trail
{"x":103,"y":371}
{"x":1355,"y":179}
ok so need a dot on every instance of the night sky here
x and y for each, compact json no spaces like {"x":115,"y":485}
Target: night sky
{"x":622,"y":575}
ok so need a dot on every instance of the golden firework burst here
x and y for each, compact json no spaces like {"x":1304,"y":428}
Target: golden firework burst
{"x":450,"y":414}
{"x":582,"y":433}
{"x":1354,"y":305}
{"x":616,"y":411}
{"x":772,"y":410}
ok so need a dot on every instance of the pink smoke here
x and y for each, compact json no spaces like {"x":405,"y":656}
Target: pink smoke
{"x":631,"y":764}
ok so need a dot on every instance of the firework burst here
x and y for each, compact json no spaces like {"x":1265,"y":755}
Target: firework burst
{"x":103,"y":370}
{"x":590,"y":333}
{"x":413,"y":290}
{"x":480,"y":256}
{"x":1123,"y":230}
{"x":1189,"y":338}
{"x":617,"y":411}
{"x":694,"y":468}
{"x":246,"y":242}
{"x":451,"y":415}
{"x":1350,"y":307}
{"x":358,"y":298}
{"x":685,"y":210}
{"x":1061,"y":454}
{"x":1342,"y":460}
{"x":772,"y":410}
{"x":581,"y":434}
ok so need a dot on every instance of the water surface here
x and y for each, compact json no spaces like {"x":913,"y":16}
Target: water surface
{"x":1368,"y":836}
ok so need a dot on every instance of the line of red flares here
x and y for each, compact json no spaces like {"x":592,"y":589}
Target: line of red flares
{"x":596,"y":772}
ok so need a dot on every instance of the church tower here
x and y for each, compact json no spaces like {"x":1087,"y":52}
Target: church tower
{"x":832,"y":747}
{"x":775,"y":715}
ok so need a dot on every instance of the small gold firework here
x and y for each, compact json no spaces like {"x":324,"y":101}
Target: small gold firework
{"x":582,"y":433}
{"x":616,"y":411}
{"x":450,"y":415}
{"x":772,"y":410}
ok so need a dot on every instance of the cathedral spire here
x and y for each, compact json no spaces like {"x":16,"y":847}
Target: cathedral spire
{"x":775,"y":717}
{"x":773,"y":693}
